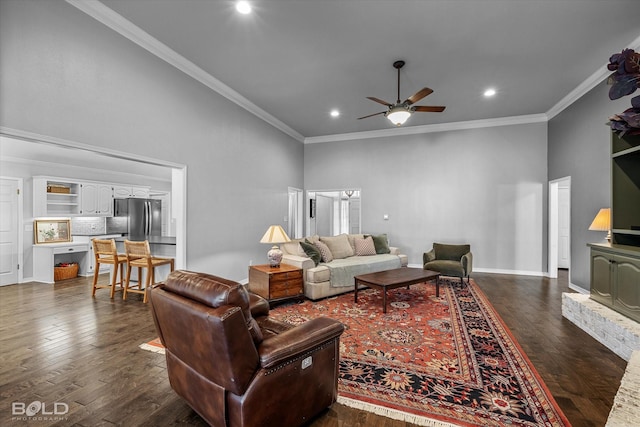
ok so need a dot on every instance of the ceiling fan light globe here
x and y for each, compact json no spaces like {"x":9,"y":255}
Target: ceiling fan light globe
{"x":398,"y":116}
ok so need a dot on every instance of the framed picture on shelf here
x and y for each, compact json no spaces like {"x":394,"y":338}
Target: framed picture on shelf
{"x":52,"y":230}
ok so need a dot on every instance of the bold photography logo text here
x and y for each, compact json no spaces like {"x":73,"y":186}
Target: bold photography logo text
{"x":39,"y":410}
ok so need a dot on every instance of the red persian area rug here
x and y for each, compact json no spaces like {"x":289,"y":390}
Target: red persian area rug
{"x":447,"y":361}
{"x":432,"y":361}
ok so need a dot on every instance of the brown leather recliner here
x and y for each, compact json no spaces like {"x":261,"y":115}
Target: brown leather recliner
{"x":233,"y":364}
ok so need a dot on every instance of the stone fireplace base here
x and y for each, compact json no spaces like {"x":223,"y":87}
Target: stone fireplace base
{"x":610,"y":328}
{"x":622,"y":336}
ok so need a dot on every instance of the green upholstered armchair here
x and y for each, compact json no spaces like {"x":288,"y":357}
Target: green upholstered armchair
{"x":449,"y":260}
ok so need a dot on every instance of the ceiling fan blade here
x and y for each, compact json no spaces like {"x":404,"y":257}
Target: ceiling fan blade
{"x":429,"y":109}
{"x":379,"y":101}
{"x":371,"y":115}
{"x":419,"y":95}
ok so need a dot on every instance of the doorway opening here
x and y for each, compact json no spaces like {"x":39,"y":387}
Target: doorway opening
{"x":559,"y":245}
{"x":70,"y":151}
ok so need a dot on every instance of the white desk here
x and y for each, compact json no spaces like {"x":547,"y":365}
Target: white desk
{"x":45,"y":257}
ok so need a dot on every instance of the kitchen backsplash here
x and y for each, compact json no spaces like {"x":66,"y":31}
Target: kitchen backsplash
{"x":88,"y":226}
{"x":117,"y":224}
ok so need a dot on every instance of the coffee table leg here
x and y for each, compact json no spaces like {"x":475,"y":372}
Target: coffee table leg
{"x":438,"y":287}
{"x":384,"y":300}
{"x":355,"y":294}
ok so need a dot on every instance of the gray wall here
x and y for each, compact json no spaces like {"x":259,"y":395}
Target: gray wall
{"x":65,"y":75}
{"x":579,"y":147}
{"x":487,"y":187}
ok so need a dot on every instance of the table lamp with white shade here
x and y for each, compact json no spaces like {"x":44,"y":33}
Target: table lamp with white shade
{"x":275,"y":234}
{"x":602,"y":222}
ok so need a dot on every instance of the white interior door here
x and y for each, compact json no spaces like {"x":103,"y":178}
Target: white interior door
{"x":9,"y":228}
{"x":564,"y":229}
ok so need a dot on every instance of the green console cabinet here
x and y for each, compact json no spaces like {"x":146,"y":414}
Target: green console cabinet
{"x":615,"y":278}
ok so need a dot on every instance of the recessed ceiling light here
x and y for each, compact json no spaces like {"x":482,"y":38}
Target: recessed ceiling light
{"x":334,"y":113}
{"x":489,"y":92}
{"x":243,"y":7}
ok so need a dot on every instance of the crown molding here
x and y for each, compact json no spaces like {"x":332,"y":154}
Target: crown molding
{"x":440,"y":127}
{"x":584,"y":87}
{"x":65,"y":143}
{"x":581,"y":90}
{"x":119,"y":24}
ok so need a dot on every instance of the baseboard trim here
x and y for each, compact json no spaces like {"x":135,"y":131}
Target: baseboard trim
{"x":579,"y":289}
{"x":496,"y":271}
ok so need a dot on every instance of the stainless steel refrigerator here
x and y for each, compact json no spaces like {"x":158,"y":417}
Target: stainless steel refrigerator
{"x":144,"y":216}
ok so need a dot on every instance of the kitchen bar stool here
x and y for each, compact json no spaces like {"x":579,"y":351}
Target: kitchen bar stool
{"x":105,"y":252}
{"x":139,"y":255}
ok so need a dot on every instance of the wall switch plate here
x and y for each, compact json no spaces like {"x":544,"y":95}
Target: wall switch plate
{"x":385,"y":217}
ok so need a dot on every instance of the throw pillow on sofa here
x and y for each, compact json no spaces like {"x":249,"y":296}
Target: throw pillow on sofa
{"x":311,"y":251}
{"x":338,"y":245}
{"x":365,"y":246}
{"x":324,"y":251}
{"x":382,"y":244}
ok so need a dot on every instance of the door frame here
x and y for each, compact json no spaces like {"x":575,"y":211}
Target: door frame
{"x":20,"y":231}
{"x":553,"y":226}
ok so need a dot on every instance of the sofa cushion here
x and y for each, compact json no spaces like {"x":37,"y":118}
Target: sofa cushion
{"x":311,"y":251}
{"x":381,"y":243}
{"x":338,"y":245}
{"x":324,"y":251}
{"x":343,"y":270}
{"x":319,"y":274}
{"x":365,"y":246}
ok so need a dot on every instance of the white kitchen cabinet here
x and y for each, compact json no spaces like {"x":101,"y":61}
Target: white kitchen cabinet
{"x":124,"y":192}
{"x":96,"y":199}
{"x":54,"y":197}
{"x":64,"y":197}
{"x":46,"y":256}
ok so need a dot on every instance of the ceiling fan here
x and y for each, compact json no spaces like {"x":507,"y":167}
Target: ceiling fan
{"x":399,"y":112}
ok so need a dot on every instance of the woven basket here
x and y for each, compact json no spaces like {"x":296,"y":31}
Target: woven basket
{"x":58,"y":189}
{"x":63,"y":273}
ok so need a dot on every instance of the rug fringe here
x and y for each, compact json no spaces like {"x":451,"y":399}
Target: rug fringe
{"x":153,"y":348}
{"x":393,"y":413}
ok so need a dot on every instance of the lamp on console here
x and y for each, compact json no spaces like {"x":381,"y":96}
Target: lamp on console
{"x":275,"y":234}
{"x":602,"y":222}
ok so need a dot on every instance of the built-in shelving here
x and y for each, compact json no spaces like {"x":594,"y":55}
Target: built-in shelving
{"x":61,"y":197}
{"x":625,"y":189}
{"x":615,"y":267}
{"x":55,"y":197}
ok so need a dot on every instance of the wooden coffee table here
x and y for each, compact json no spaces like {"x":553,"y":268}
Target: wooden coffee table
{"x":396,"y":278}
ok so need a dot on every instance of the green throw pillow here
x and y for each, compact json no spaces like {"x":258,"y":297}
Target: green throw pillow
{"x":311,"y":251}
{"x":381,"y":243}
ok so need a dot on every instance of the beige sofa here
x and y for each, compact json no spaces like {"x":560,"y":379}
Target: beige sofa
{"x":336,"y":276}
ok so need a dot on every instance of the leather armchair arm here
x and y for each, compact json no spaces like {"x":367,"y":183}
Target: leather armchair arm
{"x":428,"y":256}
{"x":298,"y":340}
{"x":467,"y":262}
{"x":258,"y":305}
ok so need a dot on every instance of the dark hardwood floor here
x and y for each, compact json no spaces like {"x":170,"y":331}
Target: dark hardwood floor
{"x":58,"y":344}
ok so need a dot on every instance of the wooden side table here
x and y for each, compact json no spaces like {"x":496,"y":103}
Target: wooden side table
{"x":276,"y":284}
